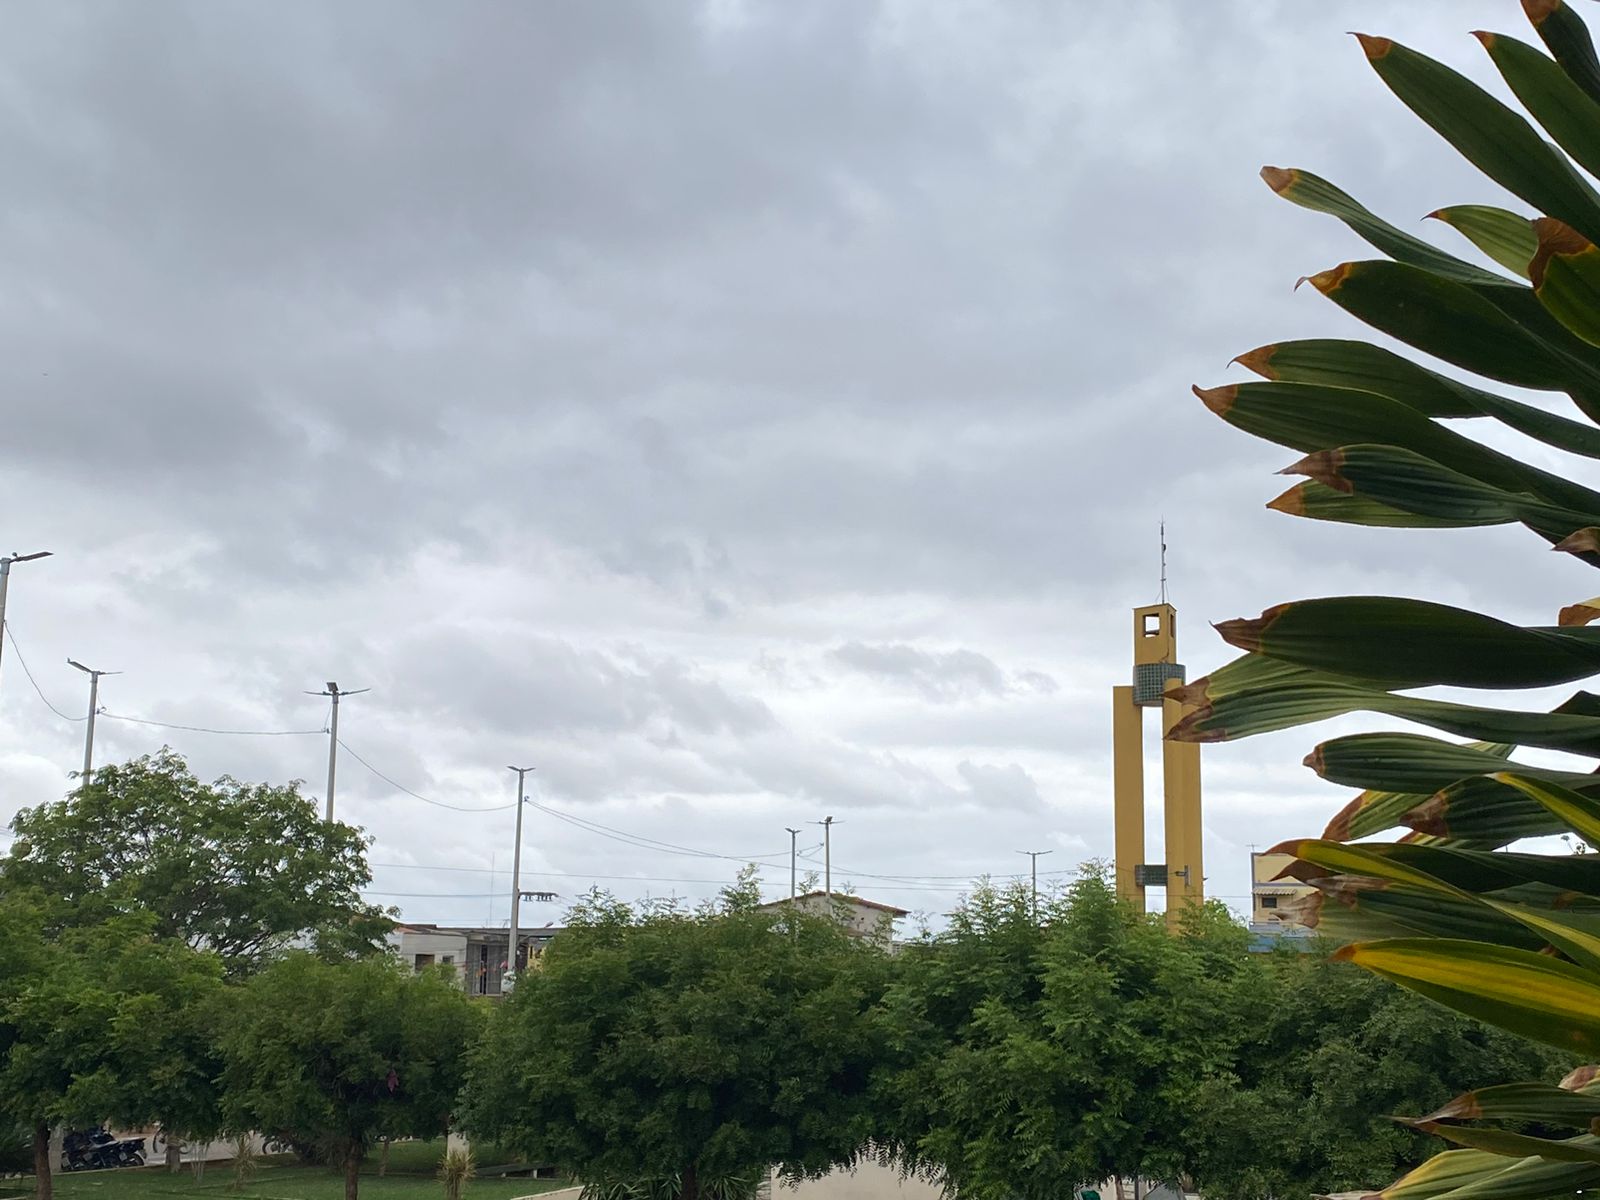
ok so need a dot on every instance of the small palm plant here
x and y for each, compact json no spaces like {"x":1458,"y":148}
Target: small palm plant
{"x":456,"y":1170}
{"x":1507,"y":936}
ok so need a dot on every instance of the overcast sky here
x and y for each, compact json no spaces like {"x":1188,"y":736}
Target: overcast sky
{"x":742,"y":412}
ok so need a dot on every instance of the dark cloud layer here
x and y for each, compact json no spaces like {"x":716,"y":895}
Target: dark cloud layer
{"x":744,"y":411}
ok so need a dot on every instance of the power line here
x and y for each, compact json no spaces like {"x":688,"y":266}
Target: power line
{"x":418,"y":795}
{"x":648,"y":843}
{"x":110,"y":716}
{"x":18,"y":651}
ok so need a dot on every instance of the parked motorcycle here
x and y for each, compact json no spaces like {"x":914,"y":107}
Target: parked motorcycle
{"x":97,"y":1150}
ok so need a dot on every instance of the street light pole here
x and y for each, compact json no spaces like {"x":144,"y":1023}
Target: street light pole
{"x":333,"y":738}
{"x":94,"y":707}
{"x":5,"y":580}
{"x":1034,"y":855}
{"x":793,"y":863}
{"x":516,"y":884}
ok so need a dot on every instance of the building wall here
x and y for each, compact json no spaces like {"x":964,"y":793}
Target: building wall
{"x":1270,"y":899}
{"x":419,"y":949}
{"x":869,"y":1181}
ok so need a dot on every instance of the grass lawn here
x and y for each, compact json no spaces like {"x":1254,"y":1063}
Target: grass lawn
{"x":411,"y":1176}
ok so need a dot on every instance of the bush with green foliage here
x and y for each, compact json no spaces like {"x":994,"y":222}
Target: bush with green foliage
{"x":335,"y":1054}
{"x":662,"y":1049}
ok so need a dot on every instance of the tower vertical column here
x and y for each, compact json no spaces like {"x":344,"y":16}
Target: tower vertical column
{"x":1127,"y":758}
{"x":1180,"y":763}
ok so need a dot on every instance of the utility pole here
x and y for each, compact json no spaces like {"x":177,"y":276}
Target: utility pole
{"x":793,"y":862}
{"x":5,"y":580}
{"x":1034,"y":855}
{"x":332,"y":690}
{"x":827,"y":859}
{"x":516,"y":884}
{"x":94,"y":706}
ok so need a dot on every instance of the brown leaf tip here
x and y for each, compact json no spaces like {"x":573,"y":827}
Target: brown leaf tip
{"x":1327,"y":282}
{"x":1259,"y":360}
{"x":1219,"y":399}
{"x":1245,"y":633}
{"x":1488,"y":39}
{"x":1374,"y":47}
{"x":1338,"y":829}
{"x":1580,"y":541}
{"x":1323,"y":466}
{"x":1540,"y":11}
{"x":1292,"y":502}
{"x":1579,"y":614}
{"x":1279,"y":178}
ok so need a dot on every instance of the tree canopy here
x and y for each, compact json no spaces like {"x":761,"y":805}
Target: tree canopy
{"x":337,"y":1054}
{"x":105,"y":1023}
{"x":658,"y":1045}
{"x":243,"y":870}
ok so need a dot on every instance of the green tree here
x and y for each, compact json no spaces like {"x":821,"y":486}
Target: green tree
{"x":242,"y":870}
{"x":694,"y":1048}
{"x":336,"y":1054}
{"x":1328,"y":1053}
{"x":1030,"y":1059}
{"x":106,"y":1023}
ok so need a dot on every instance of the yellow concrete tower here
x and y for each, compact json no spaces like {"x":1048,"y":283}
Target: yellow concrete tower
{"x":1156,"y":672}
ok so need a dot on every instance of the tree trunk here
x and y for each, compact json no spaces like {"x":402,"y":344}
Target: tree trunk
{"x":352,"y":1168}
{"x":383,"y":1160}
{"x":44,"y":1185}
{"x":203,"y":1153}
{"x":174,"y":1152}
{"x":690,"y":1184}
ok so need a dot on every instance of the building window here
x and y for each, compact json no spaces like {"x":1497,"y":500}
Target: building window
{"x":449,"y":960}
{"x":1152,"y":624}
{"x":1269,"y":902}
{"x":424,"y":961}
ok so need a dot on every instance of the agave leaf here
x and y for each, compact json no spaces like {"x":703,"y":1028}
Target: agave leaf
{"x":1540,"y":881}
{"x":1483,"y":811}
{"x":1366,"y":368}
{"x":1569,"y":115}
{"x":1440,"y":1174}
{"x":1530,"y":994}
{"x":1450,"y":320}
{"x":1499,"y":142}
{"x":1529,"y":1179}
{"x":1561,"y":432}
{"x":1370,"y":812}
{"x":1577,"y":812}
{"x":1404,"y":762}
{"x":1542,"y":1102}
{"x":1319,"y":502}
{"x":1503,"y":236}
{"x":1403,"y":479}
{"x":1415,"y":643}
{"x":1311,"y":417}
{"x":1284,"y":701}
{"x":1563,"y":31}
{"x":1584,"y":1148}
{"x":1348,"y":909}
{"x":1313,"y":192}
{"x":1575,"y":934}
{"x":1566,"y":278}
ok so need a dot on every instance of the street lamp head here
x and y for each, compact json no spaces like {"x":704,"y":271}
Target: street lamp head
{"x":28,"y":557}
{"x":332,"y":687}
{"x":72,"y":662}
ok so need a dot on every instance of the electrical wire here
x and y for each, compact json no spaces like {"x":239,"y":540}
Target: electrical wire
{"x":111,"y":716}
{"x":18,"y":651}
{"x":418,"y":795}
{"x":648,"y":843}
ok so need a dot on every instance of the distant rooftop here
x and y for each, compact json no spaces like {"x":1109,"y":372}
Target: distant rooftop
{"x":843,"y":898}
